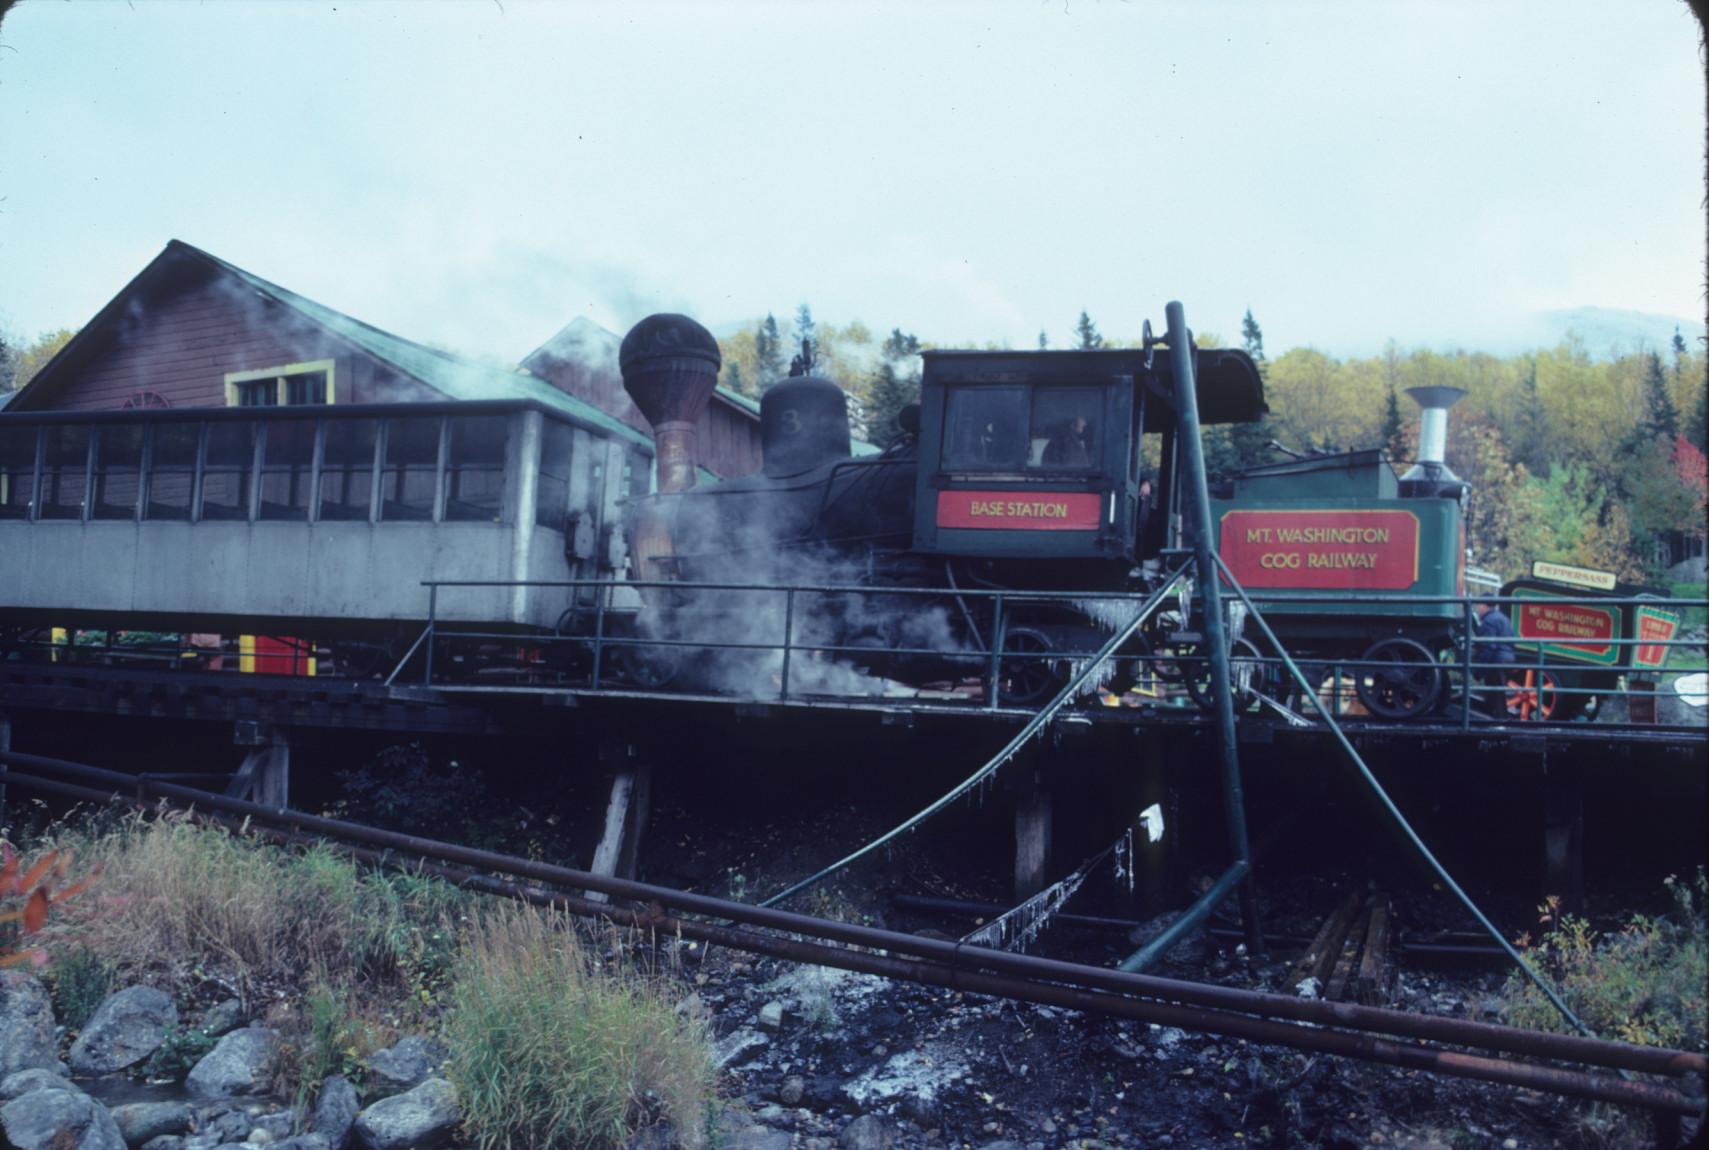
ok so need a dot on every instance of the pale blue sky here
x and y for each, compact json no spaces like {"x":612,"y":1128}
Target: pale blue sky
{"x":475,"y":174}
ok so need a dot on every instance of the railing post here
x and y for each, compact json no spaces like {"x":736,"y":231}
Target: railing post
{"x":788,"y":630}
{"x":1467,"y":681}
{"x":432,"y":618}
{"x":993,"y":696}
{"x":598,"y":633}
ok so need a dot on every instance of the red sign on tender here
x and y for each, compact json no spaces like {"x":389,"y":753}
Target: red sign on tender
{"x":1019,"y":510}
{"x":1322,"y":550}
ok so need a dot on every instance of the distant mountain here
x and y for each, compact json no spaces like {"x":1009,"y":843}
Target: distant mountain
{"x":1608,"y":329}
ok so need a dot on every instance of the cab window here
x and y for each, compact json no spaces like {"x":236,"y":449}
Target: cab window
{"x":1023,"y":428}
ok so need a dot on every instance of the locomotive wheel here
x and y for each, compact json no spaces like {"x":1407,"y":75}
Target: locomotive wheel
{"x":1535,"y":696}
{"x":1247,"y":674}
{"x":1402,"y":681}
{"x":649,"y":668}
{"x":1025,"y":681}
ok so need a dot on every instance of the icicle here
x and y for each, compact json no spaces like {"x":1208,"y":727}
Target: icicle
{"x":1236,"y":619}
{"x":1016,"y":928}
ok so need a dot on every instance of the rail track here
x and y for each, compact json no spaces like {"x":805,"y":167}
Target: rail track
{"x":1491,"y":1052}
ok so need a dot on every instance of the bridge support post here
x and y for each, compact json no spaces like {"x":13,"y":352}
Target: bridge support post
{"x":625,"y":813}
{"x":265,"y":773}
{"x":1032,"y":841}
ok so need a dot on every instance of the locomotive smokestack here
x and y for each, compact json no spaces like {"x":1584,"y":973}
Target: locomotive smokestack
{"x":670,"y":368}
{"x":1430,"y":477}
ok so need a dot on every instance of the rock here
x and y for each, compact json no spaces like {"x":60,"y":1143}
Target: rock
{"x":791,"y":1091}
{"x":335,"y":1111}
{"x":164,"y":1142}
{"x":222,"y":1018}
{"x":419,"y":1118}
{"x":1004,"y":1144}
{"x":26,"y":1024}
{"x":405,"y":1065}
{"x":124,"y":1030}
{"x":771,"y":1017}
{"x":140,"y":1121}
{"x":240,"y":1065}
{"x":224,"y":1125}
{"x":920,"y":1108}
{"x":19,"y":1084}
{"x":658,"y":1136}
{"x":759,"y":1138}
{"x":279,"y":1125}
{"x":59,"y":1120}
{"x":737,"y":1047}
{"x":864,"y":1133}
{"x":304,"y":1142}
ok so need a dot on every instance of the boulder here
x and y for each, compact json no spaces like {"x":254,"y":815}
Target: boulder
{"x":225,"y":1124}
{"x":164,"y":1142}
{"x":222,"y":1018}
{"x":240,"y":1065}
{"x":405,"y":1065}
{"x":419,"y":1118}
{"x":865,"y":1133}
{"x":26,"y":1024}
{"x":19,"y":1084}
{"x":309,"y":1141}
{"x":335,"y":1111}
{"x":140,"y":1121}
{"x":59,"y":1120}
{"x":124,"y":1030}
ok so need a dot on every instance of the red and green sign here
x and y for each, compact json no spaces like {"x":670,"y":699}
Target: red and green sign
{"x":1019,"y":510}
{"x":1327,"y":550}
{"x":1658,"y":626}
{"x":1575,"y":631}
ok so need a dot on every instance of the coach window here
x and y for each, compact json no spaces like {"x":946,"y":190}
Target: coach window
{"x":17,"y":471}
{"x":65,"y":472}
{"x":291,"y":385}
{"x":474,"y":468}
{"x":287,"y":464}
{"x":118,"y":471}
{"x":985,"y":428}
{"x":347,"y":468}
{"x":171,"y":470}
{"x":228,"y":466}
{"x":552,"y":499}
{"x":412,"y":466}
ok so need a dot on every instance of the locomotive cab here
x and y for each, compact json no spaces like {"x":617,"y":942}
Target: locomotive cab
{"x":1037,"y":455}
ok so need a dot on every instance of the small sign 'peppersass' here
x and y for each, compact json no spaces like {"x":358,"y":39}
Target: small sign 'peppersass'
{"x":1322,"y":550}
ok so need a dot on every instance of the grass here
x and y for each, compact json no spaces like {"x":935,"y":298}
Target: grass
{"x":553,"y":1045}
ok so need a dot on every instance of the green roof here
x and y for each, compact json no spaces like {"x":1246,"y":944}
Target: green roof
{"x":456,"y":378}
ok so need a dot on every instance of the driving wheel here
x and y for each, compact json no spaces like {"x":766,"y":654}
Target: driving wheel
{"x":1246,"y":674}
{"x":1400,"y":679}
{"x":1031,"y":678}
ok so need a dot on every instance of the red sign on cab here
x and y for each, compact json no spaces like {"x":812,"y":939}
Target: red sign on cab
{"x":1019,"y":510}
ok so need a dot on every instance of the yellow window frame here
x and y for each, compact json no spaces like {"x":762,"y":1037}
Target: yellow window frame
{"x":279,"y":376}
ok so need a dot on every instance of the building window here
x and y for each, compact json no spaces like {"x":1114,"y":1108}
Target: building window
{"x":287,"y":466}
{"x":347,"y":468}
{"x":474,"y":468}
{"x":65,"y":472}
{"x":17,"y":471}
{"x":552,"y":488}
{"x":118,"y":471}
{"x":407,"y":486}
{"x":171,"y":470}
{"x":293,"y":385}
{"x":228,"y":466}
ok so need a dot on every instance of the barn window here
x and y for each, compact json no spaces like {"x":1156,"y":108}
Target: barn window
{"x":292,"y":385}
{"x":17,"y":471}
{"x":118,"y":471}
{"x":347,"y":468}
{"x":474,"y":468}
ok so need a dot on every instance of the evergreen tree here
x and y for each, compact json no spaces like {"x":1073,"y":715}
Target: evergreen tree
{"x":1252,"y":337}
{"x":1697,"y":426}
{"x":7,"y":370}
{"x":1661,"y":417}
{"x":1043,"y":340}
{"x":1090,"y":340}
{"x":768,"y":352}
{"x":1391,"y":428}
{"x":895,"y":385}
{"x":803,"y":326}
{"x":734,"y":380}
{"x":1678,"y":354}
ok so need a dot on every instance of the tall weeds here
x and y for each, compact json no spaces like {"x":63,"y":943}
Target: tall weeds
{"x":553,"y":1048}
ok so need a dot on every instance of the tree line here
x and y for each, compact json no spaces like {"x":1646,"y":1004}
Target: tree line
{"x":1574,"y":458}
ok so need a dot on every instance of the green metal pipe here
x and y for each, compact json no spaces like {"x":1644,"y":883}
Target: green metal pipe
{"x":1190,"y":918}
{"x":1182,"y":357}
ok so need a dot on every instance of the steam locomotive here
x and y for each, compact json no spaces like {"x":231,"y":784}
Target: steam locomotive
{"x":1026,"y":472}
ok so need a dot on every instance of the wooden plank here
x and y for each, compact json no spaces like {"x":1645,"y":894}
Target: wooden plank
{"x":243,"y":779}
{"x":1371,"y":985}
{"x":1318,"y":962}
{"x":1346,"y":962}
